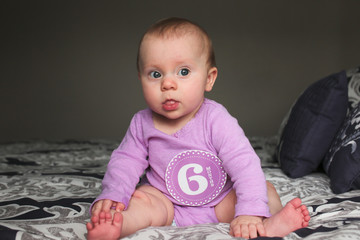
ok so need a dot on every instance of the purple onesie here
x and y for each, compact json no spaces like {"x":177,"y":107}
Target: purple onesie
{"x":195,"y":168}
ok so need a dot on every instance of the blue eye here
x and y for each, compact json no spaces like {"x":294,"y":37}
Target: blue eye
{"x":184,"y":72}
{"x":155,"y":74}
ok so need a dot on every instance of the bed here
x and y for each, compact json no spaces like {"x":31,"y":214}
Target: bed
{"x":46,"y":188}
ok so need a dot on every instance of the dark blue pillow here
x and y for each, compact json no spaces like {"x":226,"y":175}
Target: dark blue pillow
{"x":342,"y":163}
{"x":312,"y":125}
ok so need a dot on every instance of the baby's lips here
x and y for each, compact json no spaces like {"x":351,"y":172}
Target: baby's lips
{"x":170,"y":105}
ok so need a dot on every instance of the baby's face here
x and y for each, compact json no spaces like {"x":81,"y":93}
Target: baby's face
{"x":174,"y":74}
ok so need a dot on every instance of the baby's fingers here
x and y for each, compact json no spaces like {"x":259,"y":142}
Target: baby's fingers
{"x":261,"y":229}
{"x":119,"y":207}
{"x":235,"y":230}
{"x":252,"y":230}
{"x":244,"y":228}
{"x":96,"y":208}
{"x":107,"y":205}
{"x":247,"y":230}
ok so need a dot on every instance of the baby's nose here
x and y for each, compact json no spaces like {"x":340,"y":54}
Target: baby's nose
{"x":168,"y":83}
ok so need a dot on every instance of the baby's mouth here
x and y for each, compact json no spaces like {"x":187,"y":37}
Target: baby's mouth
{"x":170,"y":105}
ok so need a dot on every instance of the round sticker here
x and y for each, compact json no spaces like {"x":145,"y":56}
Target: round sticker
{"x":195,"y":177}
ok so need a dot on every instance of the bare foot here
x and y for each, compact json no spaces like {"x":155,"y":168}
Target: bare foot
{"x":292,"y":217}
{"x":105,"y":226}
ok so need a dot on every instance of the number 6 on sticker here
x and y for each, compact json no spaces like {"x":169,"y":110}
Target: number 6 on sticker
{"x":195,"y":177}
{"x":184,"y":183}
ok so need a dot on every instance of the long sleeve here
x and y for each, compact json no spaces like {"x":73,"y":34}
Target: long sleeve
{"x":241,"y":163}
{"x":127,"y":163}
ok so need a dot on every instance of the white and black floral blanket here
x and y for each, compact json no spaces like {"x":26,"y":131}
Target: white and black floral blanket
{"x":46,"y":189}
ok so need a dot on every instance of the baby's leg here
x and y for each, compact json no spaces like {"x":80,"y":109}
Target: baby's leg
{"x":147,"y":207}
{"x":283,"y":221}
{"x":225,"y":210}
{"x":274,"y":201}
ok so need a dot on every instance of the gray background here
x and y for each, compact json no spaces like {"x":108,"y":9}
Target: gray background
{"x":68,"y":67}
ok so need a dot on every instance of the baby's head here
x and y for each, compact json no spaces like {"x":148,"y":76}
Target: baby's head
{"x":176,"y":66}
{"x":178,"y":27}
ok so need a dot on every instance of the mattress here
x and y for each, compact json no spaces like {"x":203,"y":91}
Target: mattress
{"x":47,"y":187}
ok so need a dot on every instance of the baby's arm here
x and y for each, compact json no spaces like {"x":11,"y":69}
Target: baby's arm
{"x":247,"y":226}
{"x":105,"y":205}
{"x":127,"y":163}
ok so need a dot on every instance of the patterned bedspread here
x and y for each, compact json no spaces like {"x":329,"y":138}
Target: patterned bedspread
{"x":46,"y":189}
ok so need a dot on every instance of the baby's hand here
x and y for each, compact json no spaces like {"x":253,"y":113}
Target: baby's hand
{"x":106,"y":205}
{"x":247,"y":227}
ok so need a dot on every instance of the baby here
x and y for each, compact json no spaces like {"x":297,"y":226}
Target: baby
{"x":200,"y":167}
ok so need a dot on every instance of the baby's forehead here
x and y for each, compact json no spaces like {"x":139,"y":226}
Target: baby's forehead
{"x":190,"y":35}
{"x":188,"y":41}
{"x":175,"y":29}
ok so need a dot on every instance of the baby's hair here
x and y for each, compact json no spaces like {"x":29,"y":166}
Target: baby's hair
{"x":173,"y":26}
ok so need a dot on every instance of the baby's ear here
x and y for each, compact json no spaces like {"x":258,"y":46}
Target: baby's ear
{"x":211,"y":77}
